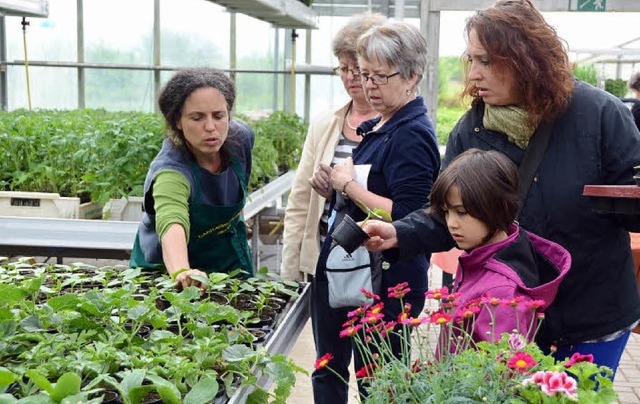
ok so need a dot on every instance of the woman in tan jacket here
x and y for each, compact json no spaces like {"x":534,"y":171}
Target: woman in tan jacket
{"x":330,"y":140}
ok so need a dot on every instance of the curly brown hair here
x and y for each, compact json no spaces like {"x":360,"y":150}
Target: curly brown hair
{"x":176,"y":91}
{"x":517,"y":38}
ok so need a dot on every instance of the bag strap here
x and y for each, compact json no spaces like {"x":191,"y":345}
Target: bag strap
{"x":531,"y":160}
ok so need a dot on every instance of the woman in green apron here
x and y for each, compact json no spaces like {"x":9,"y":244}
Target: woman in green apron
{"x":196,"y":186}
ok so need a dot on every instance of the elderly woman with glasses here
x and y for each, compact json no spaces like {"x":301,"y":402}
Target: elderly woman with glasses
{"x":330,"y":139}
{"x":397,"y":162}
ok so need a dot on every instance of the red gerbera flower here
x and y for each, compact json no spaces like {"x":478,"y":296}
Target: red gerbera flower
{"x":366,"y":371}
{"x":534,"y":304}
{"x":439,"y":317}
{"x":369,"y":294}
{"x":375,"y":309}
{"x":323,"y":361}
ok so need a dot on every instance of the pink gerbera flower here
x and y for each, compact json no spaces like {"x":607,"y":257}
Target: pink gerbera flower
{"x":350,"y":331}
{"x":521,"y":361}
{"x":577,"y":358}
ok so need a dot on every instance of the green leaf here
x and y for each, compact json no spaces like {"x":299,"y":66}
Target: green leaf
{"x":132,"y":379}
{"x":67,"y":385}
{"x":161,"y":335}
{"x":382,"y":214}
{"x":137,"y":311}
{"x":6,"y":377}
{"x":5,"y":313}
{"x":7,"y":399}
{"x":237,"y":353}
{"x":201,"y":279}
{"x":138,"y":393}
{"x":10,"y":294}
{"x":258,"y":396}
{"x":39,"y":380}
{"x":202,"y":392}
{"x":168,"y":391}
{"x":67,"y":301}
{"x":31,"y":323}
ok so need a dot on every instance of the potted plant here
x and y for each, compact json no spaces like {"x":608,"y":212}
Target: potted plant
{"x":349,"y":234}
{"x":507,"y":370}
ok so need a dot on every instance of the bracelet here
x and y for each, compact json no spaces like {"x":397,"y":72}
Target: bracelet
{"x":344,"y":187}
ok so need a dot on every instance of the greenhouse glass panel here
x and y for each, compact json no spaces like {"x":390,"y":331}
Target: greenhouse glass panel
{"x":255,"y":93}
{"x":120,"y":90}
{"x":194,"y":33}
{"x":50,"y":39}
{"x":118,"y":31}
{"x":255,"y":43}
{"x":51,"y":87}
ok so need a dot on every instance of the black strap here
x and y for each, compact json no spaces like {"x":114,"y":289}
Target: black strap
{"x":531,"y":160}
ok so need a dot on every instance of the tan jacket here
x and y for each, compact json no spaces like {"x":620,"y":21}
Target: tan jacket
{"x":301,"y":245}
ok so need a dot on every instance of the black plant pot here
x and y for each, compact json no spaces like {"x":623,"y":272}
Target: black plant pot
{"x":349,"y":235}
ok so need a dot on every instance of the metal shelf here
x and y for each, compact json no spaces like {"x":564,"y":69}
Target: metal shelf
{"x":281,"y":13}
{"x":284,"y":338}
{"x":101,"y":238}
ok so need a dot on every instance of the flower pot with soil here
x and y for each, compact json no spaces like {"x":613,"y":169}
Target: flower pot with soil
{"x":349,"y":234}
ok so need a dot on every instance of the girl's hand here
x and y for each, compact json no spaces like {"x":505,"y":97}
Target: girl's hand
{"x":342,"y":173}
{"x":383,"y":235}
{"x":320,"y":182}
{"x":183,"y":279}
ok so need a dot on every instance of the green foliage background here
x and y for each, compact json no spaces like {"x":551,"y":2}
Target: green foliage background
{"x":106,"y":155}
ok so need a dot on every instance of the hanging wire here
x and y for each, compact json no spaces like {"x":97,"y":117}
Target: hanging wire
{"x":26,"y":59}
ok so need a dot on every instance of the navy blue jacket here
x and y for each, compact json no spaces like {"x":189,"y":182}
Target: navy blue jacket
{"x":405,"y":162}
{"x":595,"y":141}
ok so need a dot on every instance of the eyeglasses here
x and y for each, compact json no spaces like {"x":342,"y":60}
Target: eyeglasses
{"x":343,"y":71}
{"x":377,"y":79}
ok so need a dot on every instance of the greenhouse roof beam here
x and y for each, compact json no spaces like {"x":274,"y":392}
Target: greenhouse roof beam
{"x":280,"y":13}
{"x":25,"y":8}
{"x":345,"y":8}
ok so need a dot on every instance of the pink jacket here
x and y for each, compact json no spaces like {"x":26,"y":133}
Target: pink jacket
{"x":522,"y":266}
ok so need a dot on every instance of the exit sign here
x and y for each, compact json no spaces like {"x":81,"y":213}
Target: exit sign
{"x":587,"y":5}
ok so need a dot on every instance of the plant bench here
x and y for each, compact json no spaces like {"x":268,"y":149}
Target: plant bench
{"x":51,"y":237}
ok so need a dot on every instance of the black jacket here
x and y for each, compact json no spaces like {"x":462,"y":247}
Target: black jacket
{"x":595,"y":141}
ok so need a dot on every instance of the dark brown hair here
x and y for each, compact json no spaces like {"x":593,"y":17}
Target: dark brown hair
{"x":518,"y":39}
{"x":176,"y":91}
{"x":634,"y":81}
{"x":488,"y":184}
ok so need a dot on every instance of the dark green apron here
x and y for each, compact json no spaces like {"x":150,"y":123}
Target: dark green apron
{"x":218,"y":236}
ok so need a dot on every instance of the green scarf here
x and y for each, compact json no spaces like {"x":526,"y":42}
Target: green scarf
{"x":509,"y":120}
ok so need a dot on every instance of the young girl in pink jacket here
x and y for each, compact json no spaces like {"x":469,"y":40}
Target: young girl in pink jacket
{"x":477,"y":197}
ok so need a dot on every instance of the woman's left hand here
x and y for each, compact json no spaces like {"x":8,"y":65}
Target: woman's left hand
{"x":342,"y":173}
